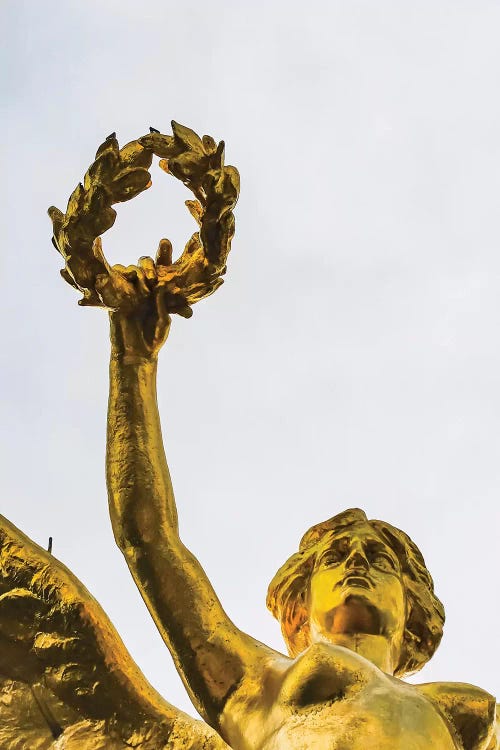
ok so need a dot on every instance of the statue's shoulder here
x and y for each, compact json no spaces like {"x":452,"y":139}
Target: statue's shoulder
{"x":470,"y":710}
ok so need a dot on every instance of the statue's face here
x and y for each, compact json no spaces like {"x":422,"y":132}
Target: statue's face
{"x":356,"y":586}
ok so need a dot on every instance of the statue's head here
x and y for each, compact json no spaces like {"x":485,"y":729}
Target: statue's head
{"x":356,"y":576}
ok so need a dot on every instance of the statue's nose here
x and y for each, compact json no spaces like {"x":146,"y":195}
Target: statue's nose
{"x":357,"y":559}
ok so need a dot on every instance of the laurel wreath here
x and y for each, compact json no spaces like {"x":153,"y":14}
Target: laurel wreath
{"x":119,"y":175}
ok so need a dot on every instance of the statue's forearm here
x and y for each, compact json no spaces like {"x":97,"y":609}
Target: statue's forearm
{"x":140,"y":492}
{"x":211,"y":654}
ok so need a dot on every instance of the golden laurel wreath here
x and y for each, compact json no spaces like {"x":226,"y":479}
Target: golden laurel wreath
{"x":118,"y":175}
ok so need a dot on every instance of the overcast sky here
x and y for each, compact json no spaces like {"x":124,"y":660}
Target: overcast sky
{"x":352,"y":358}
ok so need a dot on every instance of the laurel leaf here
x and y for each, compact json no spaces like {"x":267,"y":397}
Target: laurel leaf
{"x":97,"y":199}
{"x":216,"y":236}
{"x":98,"y":223}
{"x":57,"y":218}
{"x":97,"y":250}
{"x":209,"y":144}
{"x":90,"y":299}
{"x":217,"y":160}
{"x":75,"y":200}
{"x":62,"y":243}
{"x":101,"y":170}
{"x":192,"y":245}
{"x":196,"y":210}
{"x":68,"y":278}
{"x":134,"y":154}
{"x":223,"y":188}
{"x":129,"y":183}
{"x":109,"y":145}
{"x":187,"y":137}
{"x":82,"y":266}
{"x":161,"y":145}
{"x":210,"y":181}
{"x":233,"y":177}
{"x":189,"y":167}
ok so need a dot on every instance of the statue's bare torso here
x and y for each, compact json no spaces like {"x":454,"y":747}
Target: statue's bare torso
{"x":331,"y":698}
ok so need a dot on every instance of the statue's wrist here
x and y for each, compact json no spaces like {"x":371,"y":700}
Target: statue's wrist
{"x":131,"y":359}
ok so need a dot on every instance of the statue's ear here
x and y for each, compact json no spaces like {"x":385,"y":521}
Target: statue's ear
{"x":295,"y":627}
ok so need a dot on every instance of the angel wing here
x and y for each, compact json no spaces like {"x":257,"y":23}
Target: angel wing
{"x":67,"y":681}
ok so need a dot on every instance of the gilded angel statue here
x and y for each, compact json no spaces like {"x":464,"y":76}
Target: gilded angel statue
{"x":356,"y":602}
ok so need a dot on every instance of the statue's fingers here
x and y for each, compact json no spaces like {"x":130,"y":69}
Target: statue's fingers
{"x":163,"y":316}
{"x":186,"y":311}
{"x":128,"y":272}
{"x":164,"y":253}
{"x":134,"y":275}
{"x":147,"y":266}
{"x":179,"y":305}
{"x":141,"y":282}
{"x":162,"y":306}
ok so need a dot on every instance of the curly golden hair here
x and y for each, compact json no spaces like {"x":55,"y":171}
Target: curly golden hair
{"x":288,"y":591}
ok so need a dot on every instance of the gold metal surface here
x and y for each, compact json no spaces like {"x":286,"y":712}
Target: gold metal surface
{"x":66,"y":679}
{"x":356,"y":602}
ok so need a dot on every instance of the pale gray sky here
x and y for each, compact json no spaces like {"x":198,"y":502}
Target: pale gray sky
{"x":353,"y":355}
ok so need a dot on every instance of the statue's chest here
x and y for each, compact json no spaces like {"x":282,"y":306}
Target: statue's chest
{"x":339,"y":701}
{"x":333,"y":699}
{"x":369,"y":721}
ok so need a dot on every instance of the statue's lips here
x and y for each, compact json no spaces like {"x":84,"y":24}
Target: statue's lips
{"x":358,"y":580}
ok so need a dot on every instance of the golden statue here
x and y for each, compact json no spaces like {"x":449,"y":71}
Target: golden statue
{"x":356,"y":602}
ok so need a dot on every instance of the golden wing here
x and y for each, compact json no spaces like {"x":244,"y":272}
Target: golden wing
{"x":67,"y":681}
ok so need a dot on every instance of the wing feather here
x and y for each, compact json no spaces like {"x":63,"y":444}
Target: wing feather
{"x":66,"y":678}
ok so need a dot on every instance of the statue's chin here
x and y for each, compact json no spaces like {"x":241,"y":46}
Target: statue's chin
{"x":355,"y":615}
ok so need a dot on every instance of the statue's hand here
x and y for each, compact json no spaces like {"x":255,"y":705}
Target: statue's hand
{"x":140,"y":305}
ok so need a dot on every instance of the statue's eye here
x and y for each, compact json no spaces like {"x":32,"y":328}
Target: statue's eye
{"x":381,"y":560}
{"x":331,"y":559}
{"x":334,"y":555}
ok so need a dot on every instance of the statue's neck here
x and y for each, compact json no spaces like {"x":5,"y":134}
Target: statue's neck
{"x":376,"y":648}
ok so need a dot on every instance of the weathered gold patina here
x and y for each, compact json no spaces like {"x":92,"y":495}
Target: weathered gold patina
{"x":356,"y":602}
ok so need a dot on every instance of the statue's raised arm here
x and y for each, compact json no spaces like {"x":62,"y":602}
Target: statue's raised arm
{"x":212,"y":655}
{"x":356,"y":602}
